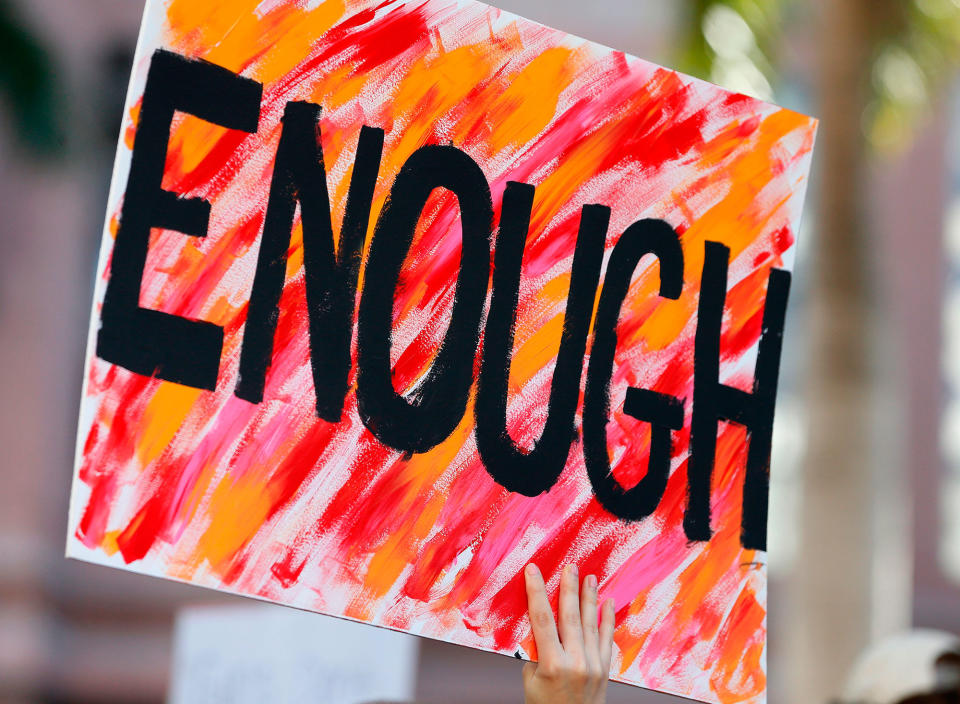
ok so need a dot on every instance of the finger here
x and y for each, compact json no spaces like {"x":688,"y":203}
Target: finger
{"x":571,"y":632}
{"x":607,"y":622}
{"x":588,"y":617}
{"x":541,"y":615}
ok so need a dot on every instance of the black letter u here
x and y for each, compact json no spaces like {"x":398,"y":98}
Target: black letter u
{"x":534,"y":472}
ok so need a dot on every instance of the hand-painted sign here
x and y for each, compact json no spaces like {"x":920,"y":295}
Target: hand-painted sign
{"x":397,"y":297}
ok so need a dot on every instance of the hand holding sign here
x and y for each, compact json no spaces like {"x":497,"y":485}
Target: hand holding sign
{"x":574,"y":662}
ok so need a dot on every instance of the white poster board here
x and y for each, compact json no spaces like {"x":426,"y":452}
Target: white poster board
{"x":260,"y":654}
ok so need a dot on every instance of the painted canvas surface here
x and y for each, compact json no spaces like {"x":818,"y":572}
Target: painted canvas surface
{"x":397,"y":297}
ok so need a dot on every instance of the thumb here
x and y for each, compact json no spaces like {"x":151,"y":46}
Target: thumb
{"x":529,"y":670}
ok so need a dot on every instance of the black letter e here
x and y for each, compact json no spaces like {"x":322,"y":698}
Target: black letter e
{"x":145,"y":341}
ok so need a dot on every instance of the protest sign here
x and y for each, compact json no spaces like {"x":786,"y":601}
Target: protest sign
{"x":260,"y":653}
{"x":397,"y":297}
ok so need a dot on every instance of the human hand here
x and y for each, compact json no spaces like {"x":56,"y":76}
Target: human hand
{"x":574,"y":664}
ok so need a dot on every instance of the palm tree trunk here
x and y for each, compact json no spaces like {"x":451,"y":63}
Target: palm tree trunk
{"x":834,"y":588}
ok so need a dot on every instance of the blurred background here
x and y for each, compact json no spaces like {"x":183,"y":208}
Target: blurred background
{"x":865,"y":534}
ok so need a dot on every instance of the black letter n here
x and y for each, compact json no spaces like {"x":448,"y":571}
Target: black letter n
{"x":299,"y":175}
{"x":713,"y":401}
{"x":145,"y":341}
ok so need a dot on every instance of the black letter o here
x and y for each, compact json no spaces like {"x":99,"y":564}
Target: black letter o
{"x":436,"y":408}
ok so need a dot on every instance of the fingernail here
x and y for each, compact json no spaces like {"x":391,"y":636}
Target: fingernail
{"x":532,"y":570}
{"x":591,"y":582}
{"x":573,"y":570}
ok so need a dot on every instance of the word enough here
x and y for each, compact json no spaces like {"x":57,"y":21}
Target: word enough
{"x":188,"y":352}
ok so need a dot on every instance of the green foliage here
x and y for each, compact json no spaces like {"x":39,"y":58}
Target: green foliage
{"x":731,"y":42}
{"x":916,"y":49}
{"x":28,"y":85}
